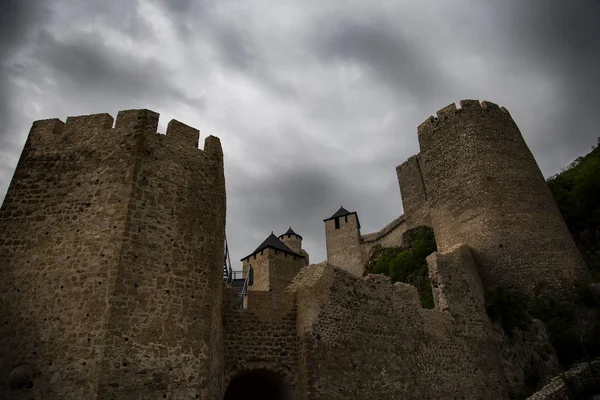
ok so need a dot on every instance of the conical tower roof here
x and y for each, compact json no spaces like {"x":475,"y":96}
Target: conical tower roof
{"x":273,"y":242}
{"x":290,"y":231}
{"x":342,"y":212}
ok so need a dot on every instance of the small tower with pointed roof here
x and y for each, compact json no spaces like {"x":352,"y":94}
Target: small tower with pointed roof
{"x":274,"y":264}
{"x":292,"y":240}
{"x":343,"y":240}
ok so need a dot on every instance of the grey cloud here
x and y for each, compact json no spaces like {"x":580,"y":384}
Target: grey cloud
{"x":397,"y":63}
{"x":18,"y":21}
{"x":86,"y":64}
{"x":328,"y":140}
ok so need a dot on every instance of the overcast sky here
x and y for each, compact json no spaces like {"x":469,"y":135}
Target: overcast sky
{"x":315,"y":102}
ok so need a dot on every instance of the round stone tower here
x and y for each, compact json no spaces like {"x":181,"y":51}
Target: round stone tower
{"x":485,"y":189}
{"x":292,"y":240}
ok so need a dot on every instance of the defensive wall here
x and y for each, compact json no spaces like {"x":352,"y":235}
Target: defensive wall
{"x":331,"y":335}
{"x":357,"y":336}
{"x":111,"y":243}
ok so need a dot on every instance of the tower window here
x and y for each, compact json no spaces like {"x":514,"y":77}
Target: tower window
{"x":346,"y":218}
{"x":337,"y":223}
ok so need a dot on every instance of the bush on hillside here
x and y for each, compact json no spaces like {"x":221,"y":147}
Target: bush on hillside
{"x":407,"y":264}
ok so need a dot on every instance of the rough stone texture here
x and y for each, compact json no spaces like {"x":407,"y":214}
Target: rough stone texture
{"x":262,"y":336}
{"x":389,"y":236}
{"x":352,"y":345}
{"x":349,"y":250}
{"x":111,"y":245}
{"x":294,"y":242}
{"x":273,"y":270}
{"x":526,"y":353}
{"x":581,"y":377}
{"x":414,"y":195}
{"x":344,"y":249}
{"x":485,"y":189}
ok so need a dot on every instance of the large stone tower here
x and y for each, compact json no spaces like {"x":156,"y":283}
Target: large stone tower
{"x":111,"y":249}
{"x":480,"y":184}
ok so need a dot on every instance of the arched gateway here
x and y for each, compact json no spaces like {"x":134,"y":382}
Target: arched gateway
{"x":258,"y":384}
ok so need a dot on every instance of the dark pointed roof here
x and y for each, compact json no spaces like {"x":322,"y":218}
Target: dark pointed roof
{"x":342,"y":212}
{"x":291,"y":232}
{"x":273,"y":242}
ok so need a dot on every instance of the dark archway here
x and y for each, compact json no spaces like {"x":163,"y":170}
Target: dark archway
{"x":258,"y":384}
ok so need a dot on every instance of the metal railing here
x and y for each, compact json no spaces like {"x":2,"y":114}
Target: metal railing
{"x":228,"y":275}
{"x":244,"y":291}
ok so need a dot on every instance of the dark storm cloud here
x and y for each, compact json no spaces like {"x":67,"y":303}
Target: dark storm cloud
{"x":396,"y":62}
{"x":315,"y":104}
{"x":85,"y":64}
{"x":562,"y":40}
{"x":18,"y":19}
{"x":554,"y":43}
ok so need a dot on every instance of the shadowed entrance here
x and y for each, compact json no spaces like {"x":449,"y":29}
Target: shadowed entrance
{"x":258,"y":384}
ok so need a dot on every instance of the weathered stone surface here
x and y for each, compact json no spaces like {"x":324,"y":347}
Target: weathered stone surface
{"x":111,"y":243}
{"x":484,"y":188}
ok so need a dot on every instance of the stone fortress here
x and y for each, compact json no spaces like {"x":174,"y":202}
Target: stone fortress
{"x":112,"y":284}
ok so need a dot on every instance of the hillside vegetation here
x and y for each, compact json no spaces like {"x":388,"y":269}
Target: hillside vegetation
{"x":577,"y":193}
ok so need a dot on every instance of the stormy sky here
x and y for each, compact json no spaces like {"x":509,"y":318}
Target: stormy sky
{"x":315,"y":103}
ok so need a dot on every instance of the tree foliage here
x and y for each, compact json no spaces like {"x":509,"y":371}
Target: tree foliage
{"x":407,"y":264}
{"x":576,"y":190}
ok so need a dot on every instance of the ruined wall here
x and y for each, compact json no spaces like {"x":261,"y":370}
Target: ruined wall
{"x":261,"y":336}
{"x":413,"y":192}
{"x":111,"y":249}
{"x":485,"y":189}
{"x":344,"y":248}
{"x":365,"y":338}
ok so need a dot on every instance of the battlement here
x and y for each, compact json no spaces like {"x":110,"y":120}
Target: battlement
{"x":139,"y":121}
{"x":467,"y":107}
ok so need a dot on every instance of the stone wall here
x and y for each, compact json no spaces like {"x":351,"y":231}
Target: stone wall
{"x":263,"y":336}
{"x":413,"y":192}
{"x":273,"y":269}
{"x":72,"y":183}
{"x":485,"y":189}
{"x":365,"y":338}
{"x":388,"y":236}
{"x":260,"y":271}
{"x":293,"y":242}
{"x":111,"y":243}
